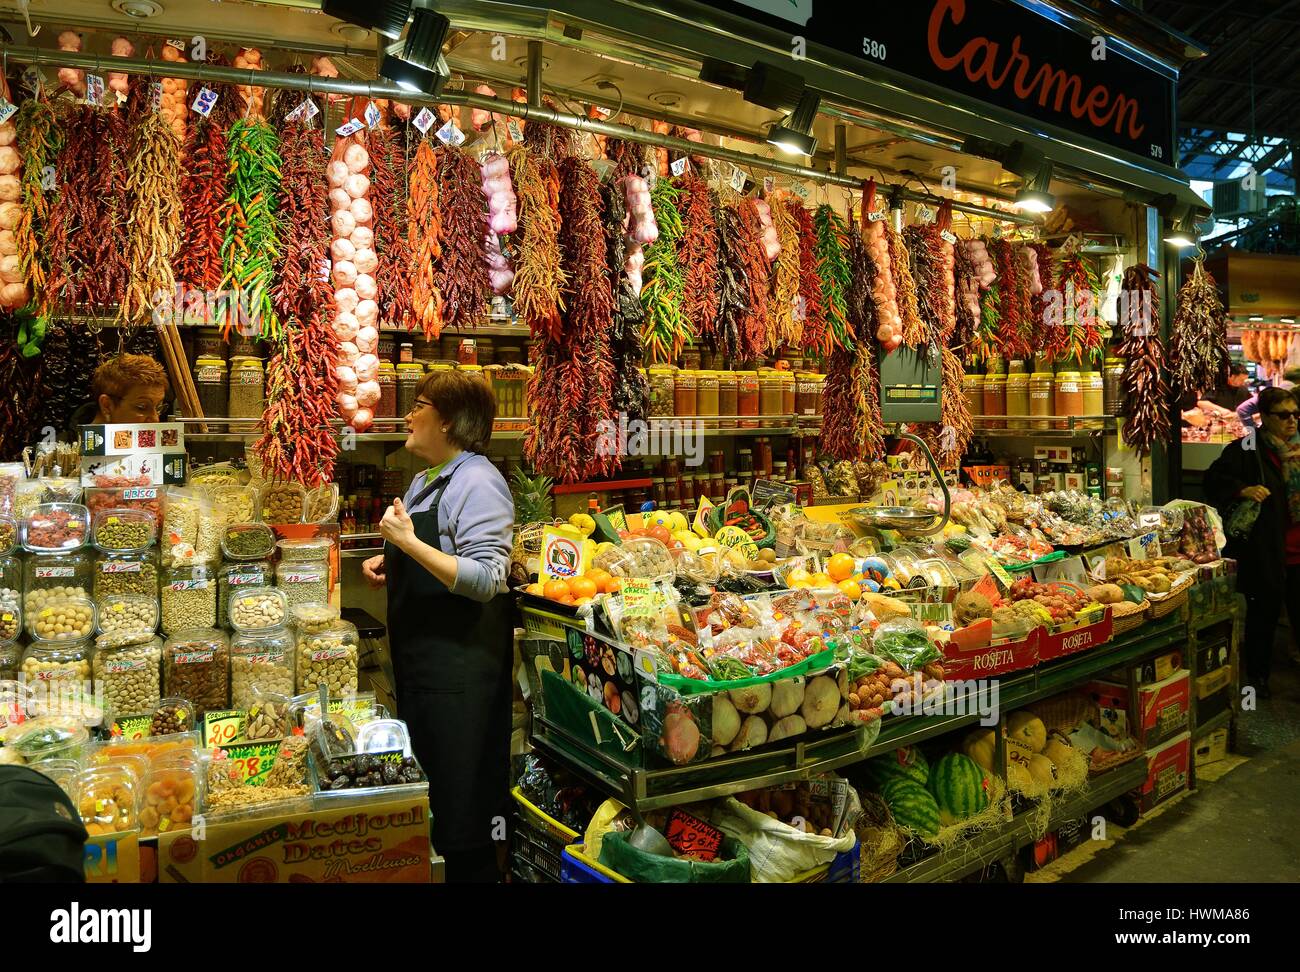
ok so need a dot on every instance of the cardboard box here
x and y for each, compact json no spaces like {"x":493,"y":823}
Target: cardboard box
{"x":984,"y":476}
{"x":1112,"y":708}
{"x":1163,"y":708}
{"x":1159,"y":668}
{"x":1167,"y":772}
{"x":1212,"y":656}
{"x":990,"y":660}
{"x":158,"y":468}
{"x":113,"y":859}
{"x":124,"y":440}
{"x":1053,"y":453}
{"x":1070,"y":641}
{"x":1212,"y":682}
{"x":1214,"y":693}
{"x":353,"y":842}
{"x":1212,"y":748}
{"x":1052,"y":846}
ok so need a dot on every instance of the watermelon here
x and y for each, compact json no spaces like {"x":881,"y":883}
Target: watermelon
{"x":908,"y":762}
{"x":913,"y":806}
{"x":959,"y":788}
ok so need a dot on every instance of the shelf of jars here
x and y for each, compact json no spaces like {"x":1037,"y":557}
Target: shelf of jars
{"x":1045,"y":426}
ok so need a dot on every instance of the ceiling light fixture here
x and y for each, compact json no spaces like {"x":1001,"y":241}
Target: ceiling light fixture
{"x":386,"y":17}
{"x":1018,"y":158}
{"x":1287,"y":320}
{"x":794,"y":135}
{"x":1255,"y":319}
{"x":416,"y":64}
{"x":1180,"y":230}
{"x":773,"y":87}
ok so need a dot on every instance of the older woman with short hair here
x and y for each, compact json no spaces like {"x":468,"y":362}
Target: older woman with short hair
{"x":450,"y":618}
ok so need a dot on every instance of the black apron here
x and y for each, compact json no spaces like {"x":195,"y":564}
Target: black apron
{"x":452,"y":661}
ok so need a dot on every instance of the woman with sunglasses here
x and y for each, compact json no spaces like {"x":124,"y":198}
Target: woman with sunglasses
{"x":1264,"y":467}
{"x":451,"y":621}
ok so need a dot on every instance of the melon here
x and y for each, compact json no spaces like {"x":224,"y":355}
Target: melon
{"x":959,"y":787}
{"x":908,"y":762}
{"x":913,"y":807}
{"x":1041,"y":769}
{"x":1027,"y":728}
{"x":1058,"y":752}
{"x":981,"y":745}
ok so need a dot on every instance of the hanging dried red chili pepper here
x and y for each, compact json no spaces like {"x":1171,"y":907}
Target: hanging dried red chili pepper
{"x":388,"y":203}
{"x":698,"y":257}
{"x":462,"y":273}
{"x":810,"y":282}
{"x":1147,"y":411}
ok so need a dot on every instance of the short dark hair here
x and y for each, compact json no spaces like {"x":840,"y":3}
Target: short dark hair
{"x":1271,"y":398}
{"x":1238,"y":369}
{"x":467,"y":404}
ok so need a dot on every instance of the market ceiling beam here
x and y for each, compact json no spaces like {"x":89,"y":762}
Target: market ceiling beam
{"x":313,"y":84}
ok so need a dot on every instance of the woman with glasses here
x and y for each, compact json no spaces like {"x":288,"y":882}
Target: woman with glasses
{"x":450,"y":619}
{"x":130,"y":389}
{"x":1264,"y":467}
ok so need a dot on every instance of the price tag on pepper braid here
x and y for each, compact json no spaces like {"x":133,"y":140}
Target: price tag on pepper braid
{"x":94,"y":89}
{"x":690,"y":836}
{"x":304,"y":112}
{"x":449,"y":134}
{"x":205,"y":101}
{"x":768,"y":185}
{"x":425,"y":119}
{"x":948,"y":236}
{"x":223,"y":726}
{"x":372,"y":115}
{"x":679,"y":166}
{"x":738,"y":179}
{"x":876,"y":217}
{"x":349,"y":128}
{"x":800,"y":190}
{"x":250,"y":763}
{"x":155,"y":95}
{"x":516,"y":133}
{"x":7,"y":110}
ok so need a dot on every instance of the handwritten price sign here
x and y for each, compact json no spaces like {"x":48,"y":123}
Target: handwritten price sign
{"x":222,"y":726}
{"x":252,"y":762}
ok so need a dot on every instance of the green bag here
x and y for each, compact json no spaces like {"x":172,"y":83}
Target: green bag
{"x":636,"y":865}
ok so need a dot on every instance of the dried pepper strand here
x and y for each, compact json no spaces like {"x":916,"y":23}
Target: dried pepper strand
{"x":304,"y":211}
{"x":1038,"y":304}
{"x":1012,"y":340}
{"x":297,"y":444}
{"x":39,"y":141}
{"x":834,"y":274}
{"x":1198,"y":339}
{"x":665,"y":329}
{"x":205,"y":184}
{"x":733,"y":284}
{"x":250,"y":234}
{"x":539,"y":276}
{"x":462,"y":274}
{"x":810,"y":283}
{"x":934,"y":298}
{"x":631,"y":390}
{"x":754,"y":336}
{"x":966,"y":323}
{"x":851,"y":427}
{"x":1078,"y":286}
{"x":424,"y":240}
{"x":154,"y":228}
{"x":1145,"y":390}
{"x":787,"y":325}
{"x":388,"y":203}
{"x":915,"y":332}
{"x":698,"y":256}
{"x":19,"y":377}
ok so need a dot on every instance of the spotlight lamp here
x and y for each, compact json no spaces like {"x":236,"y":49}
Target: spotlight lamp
{"x":416,"y":64}
{"x":385,"y":17}
{"x":794,"y":135}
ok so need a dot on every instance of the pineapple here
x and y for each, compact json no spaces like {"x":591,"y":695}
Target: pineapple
{"x":533,"y":503}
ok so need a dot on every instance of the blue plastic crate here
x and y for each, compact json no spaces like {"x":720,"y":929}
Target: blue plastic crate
{"x":578,"y":869}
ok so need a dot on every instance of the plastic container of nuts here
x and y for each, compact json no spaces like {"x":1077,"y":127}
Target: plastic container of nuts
{"x":238,"y":577}
{"x":131,"y":675}
{"x":314,"y":549}
{"x":258,"y":607}
{"x":47,"y":737}
{"x":323,"y":504}
{"x":126,"y":573}
{"x":57,"y":661}
{"x":56,"y":526}
{"x":172,"y":716}
{"x":234,"y":504}
{"x":263,"y":661}
{"x":69,"y":619}
{"x":11,"y":617}
{"x":313,"y":616}
{"x":56,"y":576}
{"x":189,"y":598}
{"x":122,"y":613}
{"x":329,"y":656}
{"x":247,"y":541}
{"x":196,"y":667}
{"x":125,"y":530}
{"x":283,"y":503}
{"x":8,"y":534}
{"x":269,"y":715}
{"x":190,"y":533}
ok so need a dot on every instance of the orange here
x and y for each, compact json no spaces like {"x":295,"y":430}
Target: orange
{"x":851,"y":588}
{"x":797,"y":576}
{"x":597,"y":577}
{"x":840,"y":567}
{"x":567,"y":599}
{"x":583,"y":588}
{"x":820,"y":581}
{"x":556,"y":590}
{"x":613,"y":585}
{"x":536,"y":590}
{"x":579,"y":602}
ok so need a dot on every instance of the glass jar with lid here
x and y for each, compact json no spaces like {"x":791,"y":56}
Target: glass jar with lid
{"x":329,"y":655}
{"x":707,"y":402}
{"x":747,"y":399}
{"x":247,"y":399}
{"x":995,"y":398}
{"x":126,"y":573}
{"x":1093,"y":384}
{"x":261,"y":660}
{"x":211,"y":383}
{"x":232,"y":503}
{"x":770,"y":394}
{"x":685,"y":393}
{"x":789,"y":392}
{"x":1113,"y":386}
{"x":130,"y":673}
{"x":409,"y":376}
{"x":1068,"y":399}
{"x":10,"y":657}
{"x":1017,"y":398}
{"x":53,"y":576}
{"x":57,"y":661}
{"x":728,"y":399}
{"x":247,"y":542}
{"x":386,"y":407}
{"x":1041,"y":403}
{"x":662,"y":392}
{"x":196,"y":667}
{"x":283,"y":502}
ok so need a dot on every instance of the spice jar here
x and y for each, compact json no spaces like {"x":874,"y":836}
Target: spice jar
{"x":208,"y":343}
{"x":237,"y":577}
{"x":126,"y":573}
{"x":769,"y":392}
{"x":1068,"y":399}
{"x":406,"y":353}
{"x":386,"y":348}
{"x":509,"y":386}
{"x":386,"y":378}
{"x":995,"y":399}
{"x":745,"y":463}
{"x":196,"y":667}
{"x":261,"y":660}
{"x":972,"y":386}
{"x":662,"y":392}
{"x":728,"y":402}
{"x":1093,"y":384}
{"x":707,"y":402}
{"x":685,"y":393}
{"x":1017,"y":398}
{"x":747,"y":399}
{"x":52,"y":576}
{"x":189,"y":598}
{"x":247,"y":389}
{"x":210,"y":380}
{"x":808,"y":396}
{"x":1041,"y":398}
{"x":329,"y":654}
{"x":246,"y":346}
{"x":1113,"y":386}
{"x":467,"y":352}
{"x":131,"y":675}
{"x":789,"y":392}
{"x":409,"y":377}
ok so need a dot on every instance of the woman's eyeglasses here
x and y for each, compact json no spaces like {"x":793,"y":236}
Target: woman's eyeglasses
{"x":419,"y":404}
{"x":1285,"y":416}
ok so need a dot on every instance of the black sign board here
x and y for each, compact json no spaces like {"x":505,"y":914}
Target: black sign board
{"x":994,"y":51}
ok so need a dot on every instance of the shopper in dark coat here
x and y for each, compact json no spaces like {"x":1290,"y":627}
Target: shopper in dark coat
{"x":1264,"y":467}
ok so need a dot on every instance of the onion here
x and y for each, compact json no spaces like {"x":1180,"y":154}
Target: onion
{"x":7,"y":244}
{"x":346,"y":299}
{"x":368,"y":394}
{"x":357,"y":185}
{"x":356,"y":158}
{"x":367,"y":313}
{"x":337,"y":173}
{"x":366,"y":287}
{"x":343,"y":223}
{"x":10,"y":270}
{"x":365,"y":261}
{"x":342,"y":249}
{"x":13,"y":295}
{"x":367,"y":340}
{"x":362,"y":211}
{"x":367,"y":367}
{"x":363,"y":238}
{"x":345,"y":274}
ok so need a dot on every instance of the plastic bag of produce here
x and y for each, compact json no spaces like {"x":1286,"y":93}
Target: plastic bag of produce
{"x":905,"y":643}
{"x":636,"y":865}
{"x":778,"y":852}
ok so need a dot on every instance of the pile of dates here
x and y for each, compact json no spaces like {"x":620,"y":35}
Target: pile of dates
{"x":365,"y":770}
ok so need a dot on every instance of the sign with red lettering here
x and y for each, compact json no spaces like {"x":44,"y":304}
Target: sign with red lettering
{"x":989,"y":660}
{"x":1070,"y":641}
{"x":692,"y":837}
{"x":998,"y":52}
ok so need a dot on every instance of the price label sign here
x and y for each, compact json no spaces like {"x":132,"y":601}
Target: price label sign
{"x":424,"y":120}
{"x":877,"y":217}
{"x":131,"y":727}
{"x":737,"y":179}
{"x":449,"y":134}
{"x":32,"y":78}
{"x":690,"y":836}
{"x":1145,"y":547}
{"x":516,"y":133}
{"x":800,"y":190}
{"x":372,"y":115}
{"x":7,"y":110}
{"x":205,"y":101}
{"x":94,"y":89}
{"x":349,"y":128}
{"x":155,"y":95}
{"x":948,"y":237}
{"x":768,"y":185}
{"x":223,"y":726}
{"x":304,"y":112}
{"x":924,"y":214}
{"x":252,"y":762}
{"x":679,"y":166}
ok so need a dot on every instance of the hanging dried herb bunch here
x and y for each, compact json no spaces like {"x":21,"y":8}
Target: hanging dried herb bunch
{"x":1198,"y":340}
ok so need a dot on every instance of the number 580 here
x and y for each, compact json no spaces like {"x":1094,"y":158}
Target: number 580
{"x":873,"y":49}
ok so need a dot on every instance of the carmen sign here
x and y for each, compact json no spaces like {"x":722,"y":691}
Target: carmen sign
{"x":1000,"y":53}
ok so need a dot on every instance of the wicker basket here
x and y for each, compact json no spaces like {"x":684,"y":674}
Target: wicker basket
{"x":1163,"y":605}
{"x":1129,"y":620}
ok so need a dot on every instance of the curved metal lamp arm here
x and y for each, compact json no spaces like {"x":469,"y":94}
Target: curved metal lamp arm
{"x":934,"y":468}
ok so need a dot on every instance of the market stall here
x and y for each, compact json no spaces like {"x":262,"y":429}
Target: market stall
{"x":801,"y":450}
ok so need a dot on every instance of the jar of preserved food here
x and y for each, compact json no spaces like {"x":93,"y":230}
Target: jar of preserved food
{"x":210,"y":382}
{"x":707,"y":401}
{"x":247,"y":389}
{"x":972,"y":386}
{"x":208,"y":343}
{"x":717,"y":485}
{"x":406,"y":353}
{"x":789,"y":392}
{"x":728,"y":399}
{"x":995,"y":398}
{"x":55,"y":576}
{"x":509,"y":385}
{"x":261,"y":659}
{"x":1016,"y":367}
{"x":189,"y":598}
{"x":196,"y":667}
{"x":700,"y":487}
{"x":745,"y":463}
{"x":246,"y":346}
{"x":426,"y":352}
{"x":1018,"y":398}
{"x":769,"y":392}
{"x":466,"y":352}
{"x":386,"y":407}
{"x":1068,"y":399}
{"x":131,"y":674}
{"x":672,"y":492}
{"x":747,"y":399}
{"x":409,"y":376}
{"x":808,"y":397}
{"x":387,"y":348}
{"x":1113,"y":386}
{"x":660,"y":489}
{"x":685,"y":393}
{"x":995,"y":366}
{"x":1041,"y":398}
{"x":691,"y":359}
{"x":329,"y":655}
{"x":1094,"y":398}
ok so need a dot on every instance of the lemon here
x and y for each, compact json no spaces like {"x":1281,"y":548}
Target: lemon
{"x":584,"y":523}
{"x":677,"y":523}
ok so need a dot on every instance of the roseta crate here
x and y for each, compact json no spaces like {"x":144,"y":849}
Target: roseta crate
{"x":970,"y":661}
{"x":1069,"y":641}
{"x":1163,"y":708}
{"x":159,"y":468}
{"x":123,"y":440}
{"x":1167,"y":772}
